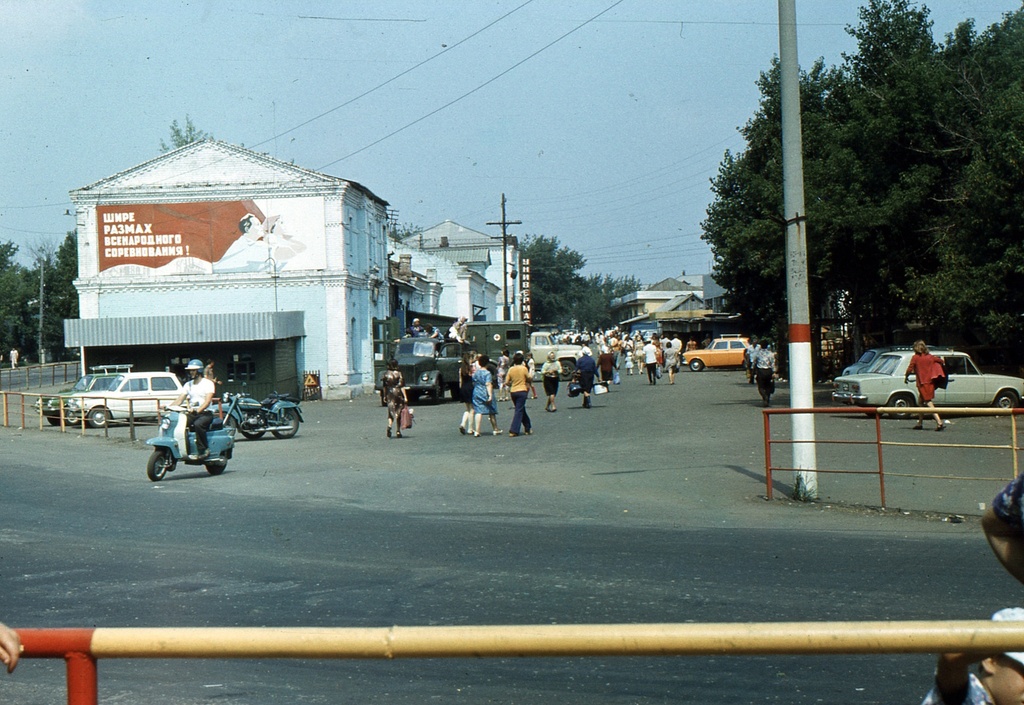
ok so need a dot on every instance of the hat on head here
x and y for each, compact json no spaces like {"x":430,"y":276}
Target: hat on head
{"x":1011,"y":614}
{"x":552,"y":356}
{"x":194,"y":365}
{"x":585,"y":350}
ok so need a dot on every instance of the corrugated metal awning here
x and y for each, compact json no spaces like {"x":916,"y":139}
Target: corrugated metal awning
{"x":198,"y":328}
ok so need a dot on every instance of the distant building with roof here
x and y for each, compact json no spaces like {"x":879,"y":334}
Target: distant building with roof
{"x":683,"y":305}
{"x":482,"y":254}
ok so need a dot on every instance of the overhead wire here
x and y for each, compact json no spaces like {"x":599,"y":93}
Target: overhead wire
{"x":479,"y":87}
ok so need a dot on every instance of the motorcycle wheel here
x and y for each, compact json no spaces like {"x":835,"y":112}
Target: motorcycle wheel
{"x":292,"y":419}
{"x":160,"y":463}
{"x":216,"y":468}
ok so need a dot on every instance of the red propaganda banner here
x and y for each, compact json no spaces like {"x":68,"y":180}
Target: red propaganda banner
{"x":153,"y":235}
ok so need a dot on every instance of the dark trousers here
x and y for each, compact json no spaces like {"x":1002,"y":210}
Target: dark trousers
{"x":201,"y":424}
{"x":519,"y":416}
{"x":652,"y":372}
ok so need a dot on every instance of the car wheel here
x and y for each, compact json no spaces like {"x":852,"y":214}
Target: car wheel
{"x":902,"y":400}
{"x":696,"y":365}
{"x":53,"y":420}
{"x":98,"y":417}
{"x":1006,"y":399}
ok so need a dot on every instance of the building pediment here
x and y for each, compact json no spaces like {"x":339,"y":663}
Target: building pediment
{"x":211,"y":164}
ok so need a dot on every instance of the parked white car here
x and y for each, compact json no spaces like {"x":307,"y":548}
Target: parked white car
{"x":883,"y":385}
{"x":139,"y":393}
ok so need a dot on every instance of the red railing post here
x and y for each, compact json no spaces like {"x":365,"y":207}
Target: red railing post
{"x":881,"y":466}
{"x":83,"y":682}
{"x":767,"y":453}
{"x":75,"y":647}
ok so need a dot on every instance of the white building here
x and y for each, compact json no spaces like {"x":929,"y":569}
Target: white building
{"x":481,"y":253}
{"x":216,"y":251}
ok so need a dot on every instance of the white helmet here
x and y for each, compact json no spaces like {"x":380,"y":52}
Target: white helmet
{"x":194,"y":364}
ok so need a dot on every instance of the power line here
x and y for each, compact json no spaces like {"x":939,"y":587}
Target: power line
{"x":393,"y":78}
{"x":474,"y":90}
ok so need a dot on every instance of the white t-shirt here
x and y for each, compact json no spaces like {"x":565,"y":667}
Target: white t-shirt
{"x":650,"y":354}
{"x":198,"y":389}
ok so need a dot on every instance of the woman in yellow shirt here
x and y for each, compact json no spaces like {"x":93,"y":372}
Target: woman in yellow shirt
{"x":517,"y":379}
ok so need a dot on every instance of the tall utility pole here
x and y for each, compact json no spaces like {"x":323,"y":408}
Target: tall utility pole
{"x":504,"y":223}
{"x":800,"y":373}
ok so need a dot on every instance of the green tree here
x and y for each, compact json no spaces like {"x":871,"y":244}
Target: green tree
{"x":16,"y":327}
{"x":875,"y":169}
{"x":592,"y":310}
{"x":977,"y":283}
{"x":180,"y":136}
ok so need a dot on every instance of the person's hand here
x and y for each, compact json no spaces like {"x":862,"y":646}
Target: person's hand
{"x":10,"y":647}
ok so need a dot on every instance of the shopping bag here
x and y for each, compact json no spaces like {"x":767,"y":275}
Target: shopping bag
{"x":616,"y":379}
{"x":600,"y":389}
{"x":405,"y":417}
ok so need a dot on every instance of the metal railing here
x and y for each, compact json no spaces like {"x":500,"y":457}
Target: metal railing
{"x":49,"y":375}
{"x":1012,"y":447}
{"x":23,"y":406}
{"x":82,"y":648}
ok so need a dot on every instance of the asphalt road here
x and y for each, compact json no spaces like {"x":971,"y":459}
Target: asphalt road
{"x":647,"y":508}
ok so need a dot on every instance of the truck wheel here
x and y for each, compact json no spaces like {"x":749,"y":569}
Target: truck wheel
{"x":437,"y":391}
{"x":568,"y":370}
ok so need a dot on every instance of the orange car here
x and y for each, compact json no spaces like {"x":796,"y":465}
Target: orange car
{"x":723,"y":352}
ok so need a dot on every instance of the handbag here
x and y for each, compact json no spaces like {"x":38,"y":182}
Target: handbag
{"x":405,"y":417}
{"x":940,"y":382}
{"x":600,"y":389}
{"x":574,"y":389}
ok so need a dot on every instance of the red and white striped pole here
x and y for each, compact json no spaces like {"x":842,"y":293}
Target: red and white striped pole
{"x":801,"y":381}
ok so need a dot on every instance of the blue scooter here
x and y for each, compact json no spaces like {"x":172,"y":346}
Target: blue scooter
{"x":176,"y":443}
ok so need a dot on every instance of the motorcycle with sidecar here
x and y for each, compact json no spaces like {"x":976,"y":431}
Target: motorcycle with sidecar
{"x":278,"y":413}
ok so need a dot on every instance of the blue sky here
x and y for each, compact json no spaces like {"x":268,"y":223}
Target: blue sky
{"x":602,"y":121}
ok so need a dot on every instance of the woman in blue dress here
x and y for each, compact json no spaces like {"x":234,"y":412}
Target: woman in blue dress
{"x":484,"y":399}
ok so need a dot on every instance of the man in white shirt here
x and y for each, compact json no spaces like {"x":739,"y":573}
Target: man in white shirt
{"x":651,"y":361}
{"x":199,"y":391}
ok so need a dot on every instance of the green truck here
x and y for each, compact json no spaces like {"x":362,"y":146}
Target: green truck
{"x":430,"y":367}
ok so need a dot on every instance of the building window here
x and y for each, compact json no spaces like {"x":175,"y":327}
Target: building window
{"x":242,"y":368}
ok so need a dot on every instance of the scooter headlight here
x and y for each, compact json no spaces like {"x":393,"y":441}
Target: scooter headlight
{"x":165,"y":424}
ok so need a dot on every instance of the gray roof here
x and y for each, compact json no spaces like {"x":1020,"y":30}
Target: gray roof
{"x":197,"y":328}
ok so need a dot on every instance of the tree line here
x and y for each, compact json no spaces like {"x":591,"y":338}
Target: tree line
{"x":913,"y":166}
{"x":56,"y":268}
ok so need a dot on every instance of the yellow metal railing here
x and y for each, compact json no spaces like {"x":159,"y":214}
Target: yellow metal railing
{"x":81,"y":648}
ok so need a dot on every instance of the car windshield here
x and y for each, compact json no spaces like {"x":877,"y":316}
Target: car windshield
{"x":867,"y":357}
{"x":416,"y":348}
{"x":83,"y":383}
{"x":105,"y":384}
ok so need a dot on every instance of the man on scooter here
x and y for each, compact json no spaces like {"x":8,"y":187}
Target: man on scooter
{"x":199,"y":391}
